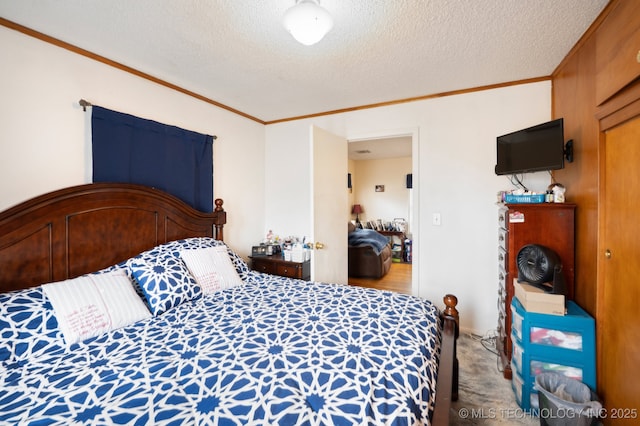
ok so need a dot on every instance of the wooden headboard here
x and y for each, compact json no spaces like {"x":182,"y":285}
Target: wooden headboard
{"x":81,"y":229}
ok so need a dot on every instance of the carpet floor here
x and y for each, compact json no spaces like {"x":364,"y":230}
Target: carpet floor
{"x":484,"y":396}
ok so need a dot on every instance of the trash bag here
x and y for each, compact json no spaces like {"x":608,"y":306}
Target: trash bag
{"x":566,"y":401}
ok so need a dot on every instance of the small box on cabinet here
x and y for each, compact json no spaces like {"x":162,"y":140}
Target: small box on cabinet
{"x":300,"y":255}
{"x":534,"y":299}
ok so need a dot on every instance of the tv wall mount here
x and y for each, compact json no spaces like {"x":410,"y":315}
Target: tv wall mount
{"x":568,"y":151}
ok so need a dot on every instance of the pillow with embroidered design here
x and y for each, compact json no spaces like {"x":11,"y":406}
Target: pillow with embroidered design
{"x":212,"y":269}
{"x":91,"y":305}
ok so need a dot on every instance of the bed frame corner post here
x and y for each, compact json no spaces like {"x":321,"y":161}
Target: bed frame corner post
{"x":221,"y":219}
{"x":451,"y":312}
{"x":447,"y":382}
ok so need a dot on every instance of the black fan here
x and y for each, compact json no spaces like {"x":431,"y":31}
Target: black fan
{"x":540,"y":266}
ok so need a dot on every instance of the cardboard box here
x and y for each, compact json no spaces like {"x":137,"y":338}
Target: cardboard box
{"x":534,"y":299}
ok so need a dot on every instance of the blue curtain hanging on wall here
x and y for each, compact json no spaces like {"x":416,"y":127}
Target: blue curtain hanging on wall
{"x":135,"y":150}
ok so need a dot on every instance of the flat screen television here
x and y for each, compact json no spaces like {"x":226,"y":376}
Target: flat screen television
{"x":532,"y":149}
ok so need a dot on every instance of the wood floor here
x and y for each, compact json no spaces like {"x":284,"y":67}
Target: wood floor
{"x":397,"y":279}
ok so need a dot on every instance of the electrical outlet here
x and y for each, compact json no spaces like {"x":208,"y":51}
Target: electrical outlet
{"x":436,"y":219}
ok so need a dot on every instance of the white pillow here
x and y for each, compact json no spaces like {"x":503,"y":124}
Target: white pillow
{"x":212,"y":268}
{"x":90,"y":305}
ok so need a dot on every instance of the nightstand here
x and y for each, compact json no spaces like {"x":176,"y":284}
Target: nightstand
{"x":276,"y":265}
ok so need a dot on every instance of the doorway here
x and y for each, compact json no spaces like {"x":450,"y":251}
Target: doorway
{"x":382,"y":175}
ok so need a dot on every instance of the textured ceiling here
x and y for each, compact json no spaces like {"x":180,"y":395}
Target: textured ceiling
{"x":237,"y":53}
{"x":374,"y":149}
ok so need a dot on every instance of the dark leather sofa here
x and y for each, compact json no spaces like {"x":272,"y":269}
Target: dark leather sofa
{"x":366,"y":262}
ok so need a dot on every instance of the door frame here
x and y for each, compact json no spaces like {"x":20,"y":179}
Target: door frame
{"x":414,"y":133}
{"x":608,"y":117}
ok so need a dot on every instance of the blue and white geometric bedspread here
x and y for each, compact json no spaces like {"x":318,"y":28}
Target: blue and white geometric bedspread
{"x":274,"y":351}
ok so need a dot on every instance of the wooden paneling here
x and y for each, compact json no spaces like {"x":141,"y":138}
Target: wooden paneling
{"x":617,"y":50}
{"x":595,"y":71}
{"x":574,"y":100}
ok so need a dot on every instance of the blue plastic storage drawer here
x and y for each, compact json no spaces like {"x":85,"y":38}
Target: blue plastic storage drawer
{"x":542,"y":343}
{"x":526,"y":395}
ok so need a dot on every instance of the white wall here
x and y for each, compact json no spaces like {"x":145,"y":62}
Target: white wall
{"x":394,"y":201}
{"x":45,"y":144}
{"x":287,"y":179}
{"x":452,"y":174}
{"x":263,"y":174}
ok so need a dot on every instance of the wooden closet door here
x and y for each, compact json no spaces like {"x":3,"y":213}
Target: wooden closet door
{"x":619,"y":284}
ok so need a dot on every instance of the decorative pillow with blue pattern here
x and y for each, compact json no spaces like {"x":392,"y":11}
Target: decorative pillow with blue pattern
{"x":165,"y":279}
{"x":165,"y":282}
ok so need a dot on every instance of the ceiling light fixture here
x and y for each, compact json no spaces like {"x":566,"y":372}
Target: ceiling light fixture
{"x":307,"y":21}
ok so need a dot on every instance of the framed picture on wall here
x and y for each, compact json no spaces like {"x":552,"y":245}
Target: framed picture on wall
{"x":379,"y":188}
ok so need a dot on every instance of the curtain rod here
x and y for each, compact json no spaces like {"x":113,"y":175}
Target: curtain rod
{"x":84,"y":104}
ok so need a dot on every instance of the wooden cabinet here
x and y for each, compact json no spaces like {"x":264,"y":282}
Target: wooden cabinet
{"x":276,"y":265}
{"x":617,"y":50}
{"x":547,"y":224}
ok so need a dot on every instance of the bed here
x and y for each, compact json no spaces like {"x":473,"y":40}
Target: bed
{"x":197,"y":344}
{"x":369,"y":253}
